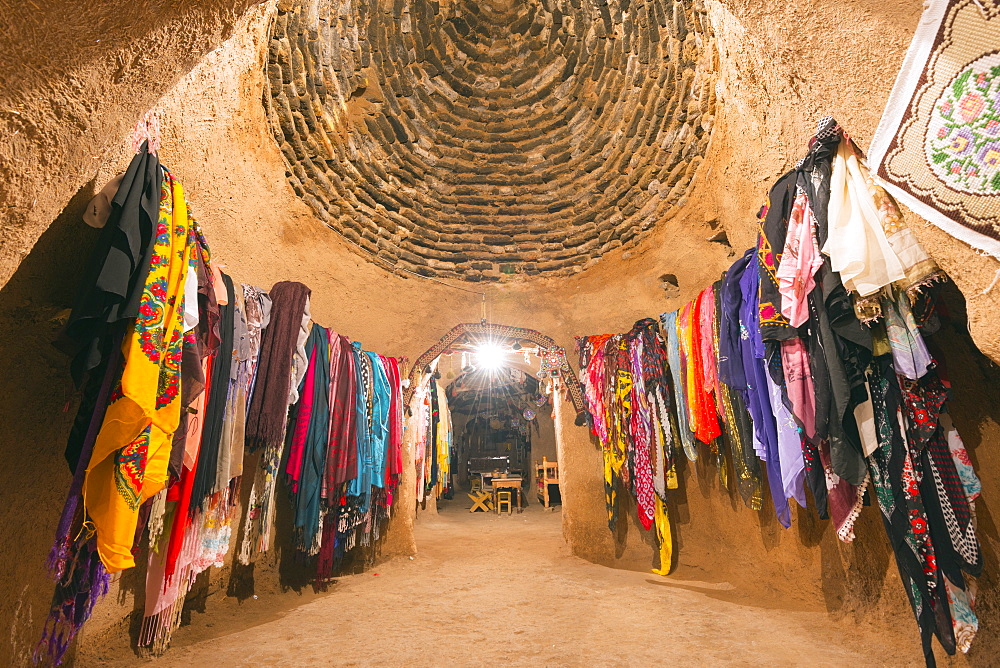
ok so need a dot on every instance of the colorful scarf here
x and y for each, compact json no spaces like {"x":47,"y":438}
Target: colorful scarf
{"x":311,"y":435}
{"x":342,"y":458}
{"x":129,"y":462}
{"x":669,"y":324}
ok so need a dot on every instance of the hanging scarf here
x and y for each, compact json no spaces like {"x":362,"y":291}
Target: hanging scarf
{"x":311,"y":465}
{"x":773,"y":221}
{"x":909,"y":352}
{"x":129,"y":462}
{"x":659,"y":397}
{"x":857,"y":244}
{"x":341,"y":461}
{"x":703,"y":347}
{"x":269,"y":403}
{"x":800,"y":260}
{"x":641,"y":428}
{"x":394,"y":457}
{"x":904,"y":516}
{"x":215,"y":407}
{"x":669,"y":323}
{"x":592,"y":362}
{"x":442,"y":443}
{"x":734,"y":389}
{"x":194,"y":352}
{"x":360,"y":486}
{"x":758,"y":394}
{"x":114,"y":282}
{"x":80,"y":577}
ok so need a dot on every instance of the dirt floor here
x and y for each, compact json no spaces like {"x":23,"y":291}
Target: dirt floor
{"x":505,"y":589}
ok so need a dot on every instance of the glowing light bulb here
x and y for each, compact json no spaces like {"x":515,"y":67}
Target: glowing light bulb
{"x":490,"y":357}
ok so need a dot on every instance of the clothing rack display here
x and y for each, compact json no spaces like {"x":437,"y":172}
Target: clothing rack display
{"x":810,"y":364}
{"x":182,"y":372}
{"x":430,"y":423}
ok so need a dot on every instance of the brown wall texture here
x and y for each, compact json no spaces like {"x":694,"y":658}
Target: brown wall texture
{"x":72,"y":87}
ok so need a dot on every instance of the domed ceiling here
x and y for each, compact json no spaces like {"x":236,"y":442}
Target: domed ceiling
{"x":486,"y":140}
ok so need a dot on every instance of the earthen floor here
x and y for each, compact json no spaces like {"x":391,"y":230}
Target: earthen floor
{"x":504,"y":590}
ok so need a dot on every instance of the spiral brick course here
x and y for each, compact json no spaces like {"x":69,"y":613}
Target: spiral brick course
{"x":493,"y":139}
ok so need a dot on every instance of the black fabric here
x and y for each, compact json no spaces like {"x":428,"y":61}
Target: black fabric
{"x":215,"y":407}
{"x":773,"y":229}
{"x":814,"y":178}
{"x":930,"y":607}
{"x":91,"y":406}
{"x":113,"y":282}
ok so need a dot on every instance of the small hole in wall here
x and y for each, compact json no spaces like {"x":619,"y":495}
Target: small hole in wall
{"x":721,"y":237}
{"x":669,"y":284}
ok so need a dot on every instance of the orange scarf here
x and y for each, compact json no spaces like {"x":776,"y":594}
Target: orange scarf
{"x":132,"y":450}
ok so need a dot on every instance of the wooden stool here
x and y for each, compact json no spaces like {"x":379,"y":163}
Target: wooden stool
{"x":505,"y":498}
{"x":480,"y":501}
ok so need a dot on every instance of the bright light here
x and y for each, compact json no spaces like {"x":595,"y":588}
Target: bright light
{"x":490,"y":357}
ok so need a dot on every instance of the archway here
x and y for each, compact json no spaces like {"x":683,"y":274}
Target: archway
{"x":500,"y":378}
{"x":478,"y":333}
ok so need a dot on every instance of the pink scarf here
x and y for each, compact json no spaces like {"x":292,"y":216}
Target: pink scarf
{"x":800,"y":261}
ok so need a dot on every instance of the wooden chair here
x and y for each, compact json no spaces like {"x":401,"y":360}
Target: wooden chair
{"x":477,"y":485}
{"x":505,"y":498}
{"x":546,"y":473}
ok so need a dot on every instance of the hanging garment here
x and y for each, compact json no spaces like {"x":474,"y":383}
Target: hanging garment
{"x":758,"y":395}
{"x":799,"y":384}
{"x":195,"y":350}
{"x":360,"y":486}
{"x":733,"y":388}
{"x":640,"y":428}
{"x":857,"y":244}
{"x":669,"y":323}
{"x":381,"y":398}
{"x":341,"y":461}
{"x":904,"y":515}
{"x":129,"y":462}
{"x":215,"y":407}
{"x":312,"y":430}
{"x":74,"y":563}
{"x":800,"y":260}
{"x":269,"y":402}
{"x":773,"y":220}
{"x":910,"y":356}
{"x":267,"y":416}
{"x":704,"y":376}
{"x":394,"y":457}
{"x":114,"y":282}
{"x":790,"y":459}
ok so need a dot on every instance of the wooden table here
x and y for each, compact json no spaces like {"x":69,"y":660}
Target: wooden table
{"x":508,"y":483}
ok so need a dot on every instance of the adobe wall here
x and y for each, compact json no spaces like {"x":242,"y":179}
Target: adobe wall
{"x":217,"y":139}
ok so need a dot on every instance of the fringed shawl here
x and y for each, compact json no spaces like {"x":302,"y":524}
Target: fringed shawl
{"x":269,"y":403}
{"x":308,"y":475}
{"x":132,"y":451}
{"x":342,"y":458}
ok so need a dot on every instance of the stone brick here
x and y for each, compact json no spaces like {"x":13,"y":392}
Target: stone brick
{"x":482,"y":148}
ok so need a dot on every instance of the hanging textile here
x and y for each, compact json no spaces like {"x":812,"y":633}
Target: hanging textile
{"x":935,"y":147}
{"x":130,"y":456}
{"x":269,"y":402}
{"x":308,"y":449}
{"x":114,"y":282}
{"x":628,"y":395}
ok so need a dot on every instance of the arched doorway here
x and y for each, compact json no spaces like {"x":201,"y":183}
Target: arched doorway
{"x":482,"y":400}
